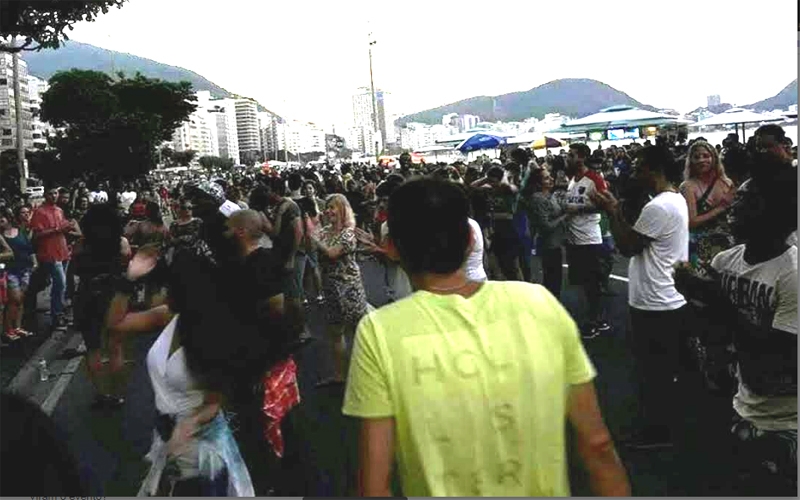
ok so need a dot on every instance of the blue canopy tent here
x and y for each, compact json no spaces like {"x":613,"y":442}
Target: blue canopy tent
{"x":481,"y":141}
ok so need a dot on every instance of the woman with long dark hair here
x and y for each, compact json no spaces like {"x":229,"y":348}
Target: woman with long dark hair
{"x":19,"y":271}
{"x":100,"y":258}
{"x":192,"y":373}
{"x":546,"y":217}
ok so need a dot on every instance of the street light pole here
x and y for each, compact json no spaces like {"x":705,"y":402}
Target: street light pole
{"x":23,"y":175}
{"x":374,"y":104}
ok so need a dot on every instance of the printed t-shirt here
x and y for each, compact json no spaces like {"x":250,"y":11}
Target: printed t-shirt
{"x":665,"y":220}
{"x":477,"y":387}
{"x":766,"y":295}
{"x":584,"y":229}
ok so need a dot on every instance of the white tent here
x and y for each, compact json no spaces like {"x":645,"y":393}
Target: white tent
{"x":619,"y":117}
{"x":620,"y":114}
{"x":736,"y":116}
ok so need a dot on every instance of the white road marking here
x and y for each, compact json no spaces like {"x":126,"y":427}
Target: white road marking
{"x":613,"y":276}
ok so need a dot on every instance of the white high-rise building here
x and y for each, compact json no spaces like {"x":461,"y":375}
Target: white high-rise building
{"x":39,"y":129}
{"x":199,"y":132}
{"x":247,"y":126}
{"x":8,"y":113}
{"x":303,"y":137}
{"x":363,"y":121}
{"x":223,"y":112}
{"x":273,"y":137}
{"x":469,"y":122}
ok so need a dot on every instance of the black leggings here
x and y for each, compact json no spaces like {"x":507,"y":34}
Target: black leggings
{"x":552,"y":270}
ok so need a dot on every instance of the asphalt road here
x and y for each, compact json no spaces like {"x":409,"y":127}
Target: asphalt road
{"x":110,"y":445}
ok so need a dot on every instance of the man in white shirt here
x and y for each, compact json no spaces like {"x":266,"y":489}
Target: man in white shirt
{"x":584,"y":238}
{"x":658,"y":241}
{"x":127,"y":197}
{"x":99,"y":195}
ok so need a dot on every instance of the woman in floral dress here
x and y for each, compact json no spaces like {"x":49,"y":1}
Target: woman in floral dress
{"x":709,"y":193}
{"x":345,"y":299}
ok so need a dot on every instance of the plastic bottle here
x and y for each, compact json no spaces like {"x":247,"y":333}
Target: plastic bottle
{"x":44,"y":373}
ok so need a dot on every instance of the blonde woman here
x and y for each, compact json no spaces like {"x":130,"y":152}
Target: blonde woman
{"x":709,"y":193}
{"x":345,"y":299}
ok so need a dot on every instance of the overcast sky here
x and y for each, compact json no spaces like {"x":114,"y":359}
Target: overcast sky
{"x":304,"y":59}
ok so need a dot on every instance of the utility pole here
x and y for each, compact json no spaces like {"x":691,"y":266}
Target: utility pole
{"x":374,"y":104}
{"x":23,"y":175}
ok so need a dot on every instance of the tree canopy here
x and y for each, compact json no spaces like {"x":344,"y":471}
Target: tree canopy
{"x":42,"y":23}
{"x":111,"y":126}
{"x":211,"y":162}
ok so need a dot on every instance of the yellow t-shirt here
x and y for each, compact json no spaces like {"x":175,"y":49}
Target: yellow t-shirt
{"x":477,"y":387}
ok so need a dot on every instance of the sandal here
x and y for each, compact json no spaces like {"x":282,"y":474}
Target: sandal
{"x":24,"y":333}
{"x":12,"y":335}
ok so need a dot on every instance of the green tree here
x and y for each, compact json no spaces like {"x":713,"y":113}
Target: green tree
{"x":207,"y":162}
{"x":184,"y":158}
{"x":210,"y":162}
{"x":166,"y":155}
{"x":42,"y":23}
{"x":251,"y":157}
{"x":113,"y":128}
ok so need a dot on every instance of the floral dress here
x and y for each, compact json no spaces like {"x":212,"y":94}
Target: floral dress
{"x":345,"y":299}
{"x":711,"y":238}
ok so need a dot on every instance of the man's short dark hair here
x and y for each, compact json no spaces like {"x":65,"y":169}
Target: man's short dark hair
{"x":496,"y":172}
{"x":276,"y":185}
{"x":582,"y":149}
{"x":660,"y":159}
{"x":387,"y":187}
{"x":775,"y":131}
{"x":295,"y":181}
{"x":428,"y":223}
{"x":259,"y":199}
{"x":520,"y":156}
{"x":307,"y":206}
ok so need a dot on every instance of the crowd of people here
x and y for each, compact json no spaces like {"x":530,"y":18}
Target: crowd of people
{"x":468,"y":345}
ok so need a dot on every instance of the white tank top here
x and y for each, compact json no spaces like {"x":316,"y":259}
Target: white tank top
{"x":475,"y":270}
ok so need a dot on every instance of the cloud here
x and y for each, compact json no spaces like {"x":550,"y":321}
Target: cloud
{"x":306,"y":58}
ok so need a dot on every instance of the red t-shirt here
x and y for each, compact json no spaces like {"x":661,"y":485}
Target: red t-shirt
{"x":53,"y":247}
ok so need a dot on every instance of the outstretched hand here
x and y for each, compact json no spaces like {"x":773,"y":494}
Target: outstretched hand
{"x":143,"y":262}
{"x":604,"y":201}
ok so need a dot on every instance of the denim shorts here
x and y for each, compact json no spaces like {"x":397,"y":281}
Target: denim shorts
{"x":19,"y":280}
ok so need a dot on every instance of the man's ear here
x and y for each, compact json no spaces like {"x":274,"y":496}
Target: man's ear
{"x":391,"y":250}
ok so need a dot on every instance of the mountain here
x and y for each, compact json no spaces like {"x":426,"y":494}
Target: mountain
{"x":569,"y":96}
{"x":716,"y":109}
{"x":72,"y":54}
{"x":781,"y":100}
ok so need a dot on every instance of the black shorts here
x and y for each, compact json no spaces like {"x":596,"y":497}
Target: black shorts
{"x":585,"y":264}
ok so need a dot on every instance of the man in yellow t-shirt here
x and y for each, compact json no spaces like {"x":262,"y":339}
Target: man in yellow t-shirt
{"x":469,"y":385}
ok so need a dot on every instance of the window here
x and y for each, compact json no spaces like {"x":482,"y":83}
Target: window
{"x":3,"y":81}
{"x":3,"y":112}
{"x":6,"y":131}
{"x":7,"y":142}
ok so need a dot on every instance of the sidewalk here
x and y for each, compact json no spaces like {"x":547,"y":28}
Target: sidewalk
{"x":18,"y":358}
